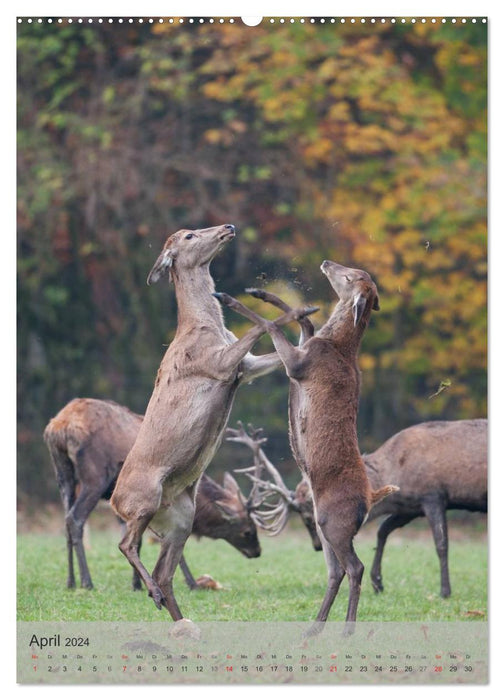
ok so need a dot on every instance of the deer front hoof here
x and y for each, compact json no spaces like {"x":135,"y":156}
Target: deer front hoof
{"x":223,"y":298}
{"x":377,"y":584}
{"x":257,"y":293}
{"x":306,"y":311}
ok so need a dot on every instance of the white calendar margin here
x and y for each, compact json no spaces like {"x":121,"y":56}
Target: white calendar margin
{"x":274,"y":8}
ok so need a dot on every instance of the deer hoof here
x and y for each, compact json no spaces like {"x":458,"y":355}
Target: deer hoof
{"x":158,"y":597}
{"x":223,"y":298}
{"x":185,"y":629}
{"x":306,"y":311}
{"x":377,"y":584}
{"x":349,"y":629}
{"x":315,"y":629}
{"x":257,"y":293}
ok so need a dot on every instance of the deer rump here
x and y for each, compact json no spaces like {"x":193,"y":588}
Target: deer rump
{"x":88,"y":442}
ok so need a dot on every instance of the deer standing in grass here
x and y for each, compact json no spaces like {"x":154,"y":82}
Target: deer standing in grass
{"x":438,"y":466}
{"x":323,"y":404}
{"x":188,"y":410}
{"x":88,"y":441}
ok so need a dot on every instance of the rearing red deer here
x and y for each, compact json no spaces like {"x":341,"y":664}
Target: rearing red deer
{"x":188,"y":410}
{"x":323,"y":403}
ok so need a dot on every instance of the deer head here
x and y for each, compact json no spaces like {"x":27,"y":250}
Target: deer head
{"x":223,"y":513}
{"x":190,"y":248}
{"x":354,"y":286}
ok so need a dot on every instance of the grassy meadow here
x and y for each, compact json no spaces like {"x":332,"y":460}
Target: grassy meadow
{"x":286,"y":583}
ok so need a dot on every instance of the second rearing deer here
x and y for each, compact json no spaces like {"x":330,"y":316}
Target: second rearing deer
{"x":323,"y":404}
{"x":188,"y":410}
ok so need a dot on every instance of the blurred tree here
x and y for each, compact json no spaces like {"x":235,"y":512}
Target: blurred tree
{"x":364,"y":144}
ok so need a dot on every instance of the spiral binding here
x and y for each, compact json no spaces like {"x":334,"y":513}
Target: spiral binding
{"x":265,"y":20}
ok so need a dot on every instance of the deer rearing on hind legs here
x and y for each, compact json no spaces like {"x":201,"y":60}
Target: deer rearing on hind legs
{"x":323,"y":404}
{"x":188,"y":410}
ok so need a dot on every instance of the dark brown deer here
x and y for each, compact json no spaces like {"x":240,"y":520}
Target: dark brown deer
{"x":188,"y":410}
{"x":323,"y":403}
{"x":88,"y":441}
{"x":438,"y":465}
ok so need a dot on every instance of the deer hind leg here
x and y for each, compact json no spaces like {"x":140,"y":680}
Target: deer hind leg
{"x":435,"y":511}
{"x":339,"y":525}
{"x":387,"y":526}
{"x":136,"y":582}
{"x":176,"y":524}
{"x":75,"y":521}
{"x":130,"y":546}
{"x":336,"y":574}
{"x":67,"y":484}
{"x":68,"y":498}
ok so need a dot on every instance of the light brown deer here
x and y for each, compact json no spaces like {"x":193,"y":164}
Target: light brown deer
{"x":188,"y":410}
{"x":323,"y":403}
{"x":88,"y":441}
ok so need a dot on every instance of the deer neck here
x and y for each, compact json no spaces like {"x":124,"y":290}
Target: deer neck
{"x":340,"y":329}
{"x":195,"y":303}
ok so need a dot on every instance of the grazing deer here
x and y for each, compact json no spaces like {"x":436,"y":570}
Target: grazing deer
{"x":188,"y":410}
{"x":88,"y":441}
{"x":438,"y":465}
{"x":323,"y":403}
{"x":271,"y":500}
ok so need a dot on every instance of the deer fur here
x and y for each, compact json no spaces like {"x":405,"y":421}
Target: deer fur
{"x":323,"y":403}
{"x":88,"y":441}
{"x":438,"y":465}
{"x":188,"y":410}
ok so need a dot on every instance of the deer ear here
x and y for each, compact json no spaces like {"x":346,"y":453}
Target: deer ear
{"x":226,"y":512}
{"x":161,"y":266}
{"x":230,"y":483}
{"x":376,"y":303}
{"x":358,"y":307}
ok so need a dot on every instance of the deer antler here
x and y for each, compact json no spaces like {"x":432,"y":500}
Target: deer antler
{"x":269,"y":502}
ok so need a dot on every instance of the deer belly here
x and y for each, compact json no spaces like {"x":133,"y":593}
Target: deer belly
{"x":174,"y":515}
{"x":298,"y":421}
{"x":184,"y":443}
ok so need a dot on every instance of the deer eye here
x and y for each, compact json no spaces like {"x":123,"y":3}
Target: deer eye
{"x":189,"y":236}
{"x":347,"y":278}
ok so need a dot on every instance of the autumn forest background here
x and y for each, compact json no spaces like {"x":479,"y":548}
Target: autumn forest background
{"x":365,"y":144}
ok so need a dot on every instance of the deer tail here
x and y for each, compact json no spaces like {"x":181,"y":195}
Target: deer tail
{"x":380,"y":494}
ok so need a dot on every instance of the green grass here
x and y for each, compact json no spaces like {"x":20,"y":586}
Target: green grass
{"x":286,"y":583}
